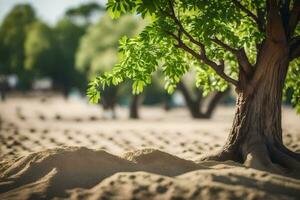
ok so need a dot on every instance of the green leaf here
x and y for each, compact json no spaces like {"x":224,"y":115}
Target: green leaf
{"x":93,"y":95}
{"x":138,"y":87}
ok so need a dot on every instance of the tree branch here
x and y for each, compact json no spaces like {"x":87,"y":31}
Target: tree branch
{"x":275,"y":29}
{"x":225,"y":46}
{"x":181,"y":28}
{"x":245,"y":10}
{"x":258,"y":21}
{"x":244,"y":61}
{"x":285,"y":14}
{"x":294,"y":17}
{"x":239,"y":53}
{"x":219,"y":69}
{"x":261,"y":18}
{"x":295,"y":48}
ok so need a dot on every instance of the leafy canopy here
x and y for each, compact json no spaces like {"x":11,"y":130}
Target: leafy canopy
{"x":179,"y":29}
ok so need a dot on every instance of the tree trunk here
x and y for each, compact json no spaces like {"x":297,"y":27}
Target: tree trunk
{"x":133,"y":110}
{"x":108,"y":101}
{"x":65,"y":92}
{"x":3,"y":88}
{"x":256,"y":135}
{"x":2,"y":95}
{"x":167,"y":105}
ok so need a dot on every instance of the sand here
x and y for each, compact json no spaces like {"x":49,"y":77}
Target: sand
{"x":58,"y":149}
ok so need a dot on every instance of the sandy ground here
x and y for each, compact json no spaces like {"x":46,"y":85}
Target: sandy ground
{"x":56,"y":149}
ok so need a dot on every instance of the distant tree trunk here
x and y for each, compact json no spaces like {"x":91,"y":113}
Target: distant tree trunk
{"x":3,"y":88}
{"x":109,"y":99}
{"x":3,"y":95}
{"x":256,"y":135}
{"x":65,"y":91}
{"x":2,"y":92}
{"x":134,"y":106}
{"x":167,"y":98}
{"x":195,"y":105}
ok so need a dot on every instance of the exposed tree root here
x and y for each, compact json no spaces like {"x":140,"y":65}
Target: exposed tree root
{"x":259,"y":159}
{"x":222,"y":155}
{"x":290,"y":153}
{"x":273,"y":159}
{"x":285,"y":160}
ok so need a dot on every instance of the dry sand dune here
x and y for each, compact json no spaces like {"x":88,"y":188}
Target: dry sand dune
{"x":81,"y":173}
{"x":63,"y":150}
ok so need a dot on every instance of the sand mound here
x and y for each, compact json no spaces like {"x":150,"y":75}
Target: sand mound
{"x":194,"y":185}
{"x":81,"y":173}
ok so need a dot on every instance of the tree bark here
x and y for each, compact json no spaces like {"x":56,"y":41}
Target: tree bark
{"x":256,"y":135}
{"x":134,"y":105}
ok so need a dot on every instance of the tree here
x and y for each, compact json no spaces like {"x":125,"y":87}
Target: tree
{"x":12,"y":37}
{"x":85,"y":11}
{"x":252,"y":45}
{"x":50,"y":52}
{"x":40,"y":51}
{"x":67,"y":36}
{"x":98,"y":51}
{"x":200,"y":104}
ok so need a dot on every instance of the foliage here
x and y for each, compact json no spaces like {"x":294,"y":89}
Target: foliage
{"x":31,"y":49}
{"x":293,"y":83}
{"x":98,"y":50}
{"x":154,"y":48}
{"x":50,"y":52}
{"x":178,"y":30}
{"x":40,"y":52}
{"x":67,"y":36}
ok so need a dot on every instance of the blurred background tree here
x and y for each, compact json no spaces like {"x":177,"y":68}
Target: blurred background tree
{"x":84,"y":12}
{"x":40,"y":51}
{"x":68,"y":35}
{"x":12,"y":38}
